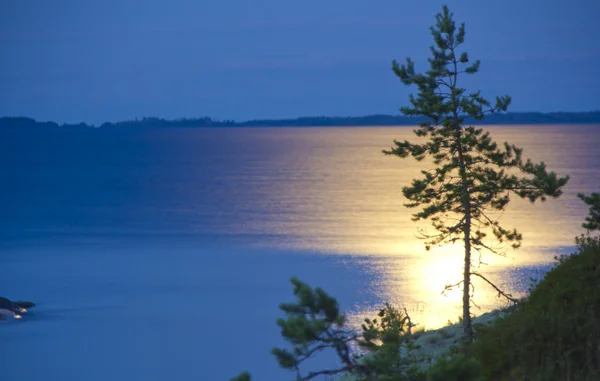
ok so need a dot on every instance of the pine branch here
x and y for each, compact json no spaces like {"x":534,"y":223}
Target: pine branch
{"x":327,"y":372}
{"x":449,"y":287}
{"x":500,"y":292}
{"x":479,"y":243}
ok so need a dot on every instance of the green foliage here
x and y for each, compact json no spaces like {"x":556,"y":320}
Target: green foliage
{"x":445,"y":192}
{"x":553,"y":334}
{"x":314,"y":324}
{"x":386,"y":337}
{"x":245,"y":376}
{"x":592,"y":221}
{"x":473,"y":176}
{"x":388,"y":329}
{"x":457,"y":368}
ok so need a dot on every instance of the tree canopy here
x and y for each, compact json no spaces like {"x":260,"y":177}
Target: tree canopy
{"x":472,"y":176}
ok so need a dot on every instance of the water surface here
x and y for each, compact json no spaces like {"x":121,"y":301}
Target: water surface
{"x":163,"y":254}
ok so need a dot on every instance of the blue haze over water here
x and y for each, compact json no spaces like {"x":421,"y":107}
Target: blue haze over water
{"x":163,"y":253}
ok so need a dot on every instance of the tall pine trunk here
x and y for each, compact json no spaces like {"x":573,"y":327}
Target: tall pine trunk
{"x":466,"y":201}
{"x":467,"y":326}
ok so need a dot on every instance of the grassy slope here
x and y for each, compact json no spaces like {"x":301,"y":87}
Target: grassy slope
{"x":554,"y":334}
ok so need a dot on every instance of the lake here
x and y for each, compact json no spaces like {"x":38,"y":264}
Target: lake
{"x":163,"y":253}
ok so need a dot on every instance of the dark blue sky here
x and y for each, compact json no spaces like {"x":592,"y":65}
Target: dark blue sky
{"x":103,"y":60}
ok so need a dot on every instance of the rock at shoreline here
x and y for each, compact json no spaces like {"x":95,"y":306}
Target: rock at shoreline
{"x":10,"y":309}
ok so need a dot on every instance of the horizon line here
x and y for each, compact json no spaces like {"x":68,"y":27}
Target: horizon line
{"x":297,"y":118}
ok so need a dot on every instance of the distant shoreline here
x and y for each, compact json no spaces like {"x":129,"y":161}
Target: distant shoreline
{"x":511,"y":118}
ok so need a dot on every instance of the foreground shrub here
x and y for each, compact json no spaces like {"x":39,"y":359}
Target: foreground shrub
{"x":457,"y":368}
{"x":314,"y":324}
{"x":554,"y":335}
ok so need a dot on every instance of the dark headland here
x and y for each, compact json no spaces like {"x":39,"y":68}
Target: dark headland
{"x":322,"y":121}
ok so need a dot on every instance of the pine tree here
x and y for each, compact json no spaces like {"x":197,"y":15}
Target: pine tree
{"x":315,"y":324}
{"x":592,"y":221}
{"x":473,"y":176}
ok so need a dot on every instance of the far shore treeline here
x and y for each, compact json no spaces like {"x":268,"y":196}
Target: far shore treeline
{"x":369,"y":120}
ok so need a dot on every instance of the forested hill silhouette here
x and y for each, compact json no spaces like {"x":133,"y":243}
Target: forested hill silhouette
{"x":322,"y":121}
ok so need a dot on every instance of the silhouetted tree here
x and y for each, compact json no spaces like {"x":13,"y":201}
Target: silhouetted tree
{"x":314,"y":324}
{"x":592,"y":221}
{"x":473,"y":176}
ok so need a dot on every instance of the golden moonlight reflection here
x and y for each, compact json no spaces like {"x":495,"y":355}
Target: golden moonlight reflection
{"x":419,"y":285}
{"x":345,"y":197}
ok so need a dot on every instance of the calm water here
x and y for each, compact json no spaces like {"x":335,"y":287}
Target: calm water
{"x":163,"y":254}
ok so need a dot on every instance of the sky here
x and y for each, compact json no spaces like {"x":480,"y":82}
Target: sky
{"x":95,"y":61}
